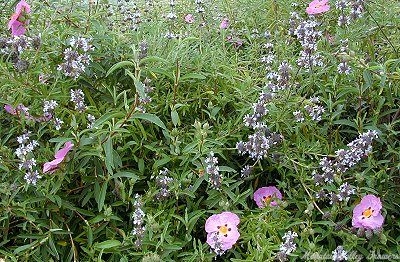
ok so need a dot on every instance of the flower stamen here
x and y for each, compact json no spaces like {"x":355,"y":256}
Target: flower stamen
{"x":367,"y":213}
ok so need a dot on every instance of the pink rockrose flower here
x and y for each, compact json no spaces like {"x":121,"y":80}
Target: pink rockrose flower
{"x":18,"y":20}
{"x":266,"y":196}
{"x":222,"y":231}
{"x":11,"y":110}
{"x":59,"y":157}
{"x":367,"y":214}
{"x":189,"y":18}
{"x":224,"y":23}
{"x":317,"y":7}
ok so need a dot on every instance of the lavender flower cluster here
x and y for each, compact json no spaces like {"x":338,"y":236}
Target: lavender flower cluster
{"x":13,"y":47}
{"x":345,"y":191}
{"x":345,"y":158}
{"x":276,"y":81}
{"x":163,"y":181}
{"x":145,"y":98}
{"x":78,"y":98}
{"x":344,"y":67}
{"x":212,"y":169}
{"x":48,"y":113}
{"x":25,"y":153}
{"x":259,"y":143}
{"x":138,"y":215}
{"x":200,"y":6}
{"x":349,"y":10}
{"x":263,"y":139}
{"x":314,"y":109}
{"x":130,"y":13}
{"x":76,"y":57}
{"x":171,"y":17}
{"x":308,"y":36}
{"x":288,"y":246}
{"x":217,"y":245}
{"x":339,"y":254}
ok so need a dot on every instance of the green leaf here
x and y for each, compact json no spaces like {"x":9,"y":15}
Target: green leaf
{"x":108,"y":150}
{"x":175,"y":118}
{"x":226,"y":169}
{"x":345,"y":122}
{"x":119,"y":65}
{"x":125,"y":174}
{"x":102,"y":196}
{"x":24,"y":247}
{"x":148,"y":59}
{"x":138,"y":85}
{"x":106,"y":117}
{"x":107,"y":244}
{"x":151,"y":118}
{"x":191,"y":76}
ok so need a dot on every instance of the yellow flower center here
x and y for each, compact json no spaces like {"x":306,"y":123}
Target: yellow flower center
{"x":223,"y":230}
{"x":267,"y":199}
{"x":367,"y":213}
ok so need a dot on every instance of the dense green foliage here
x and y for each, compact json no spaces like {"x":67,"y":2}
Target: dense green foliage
{"x":203,"y":87}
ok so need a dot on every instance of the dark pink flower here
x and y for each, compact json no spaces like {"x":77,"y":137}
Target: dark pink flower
{"x":224,"y":23}
{"x":367,"y":214}
{"x":18,"y":20}
{"x":317,"y":7}
{"x":266,"y":196}
{"x":59,"y":157}
{"x":189,"y":18}
{"x":222,"y":231}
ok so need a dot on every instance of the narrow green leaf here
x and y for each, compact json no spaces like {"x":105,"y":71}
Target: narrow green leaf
{"x":126,"y":174}
{"x":151,"y":118}
{"x":119,"y":65}
{"x":175,"y":118}
{"x":138,"y":85}
{"x":102,"y":196}
{"x":192,"y":76}
{"x":108,"y":150}
{"x":107,"y":244}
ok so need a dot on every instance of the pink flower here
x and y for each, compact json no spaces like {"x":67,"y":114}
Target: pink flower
{"x":317,"y":7}
{"x":265,"y":196}
{"x":59,"y":157}
{"x":189,"y":18}
{"x":10,"y":109}
{"x":18,"y":20}
{"x":222,"y":231}
{"x":224,"y":23}
{"x":367,"y":214}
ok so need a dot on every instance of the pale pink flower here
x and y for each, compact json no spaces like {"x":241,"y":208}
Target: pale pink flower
{"x":367,"y":214}
{"x":18,"y":20}
{"x":189,"y":18}
{"x":317,"y":7}
{"x":267,"y":196}
{"x":224,"y":23}
{"x":222,"y":231}
{"x":59,"y":157}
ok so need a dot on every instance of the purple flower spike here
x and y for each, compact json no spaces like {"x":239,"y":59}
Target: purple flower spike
{"x":367,"y":214}
{"x":59,"y":157}
{"x":265,"y":196}
{"x":222,"y":231}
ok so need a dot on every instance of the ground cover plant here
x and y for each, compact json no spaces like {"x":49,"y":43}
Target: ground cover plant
{"x":251,"y":130}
